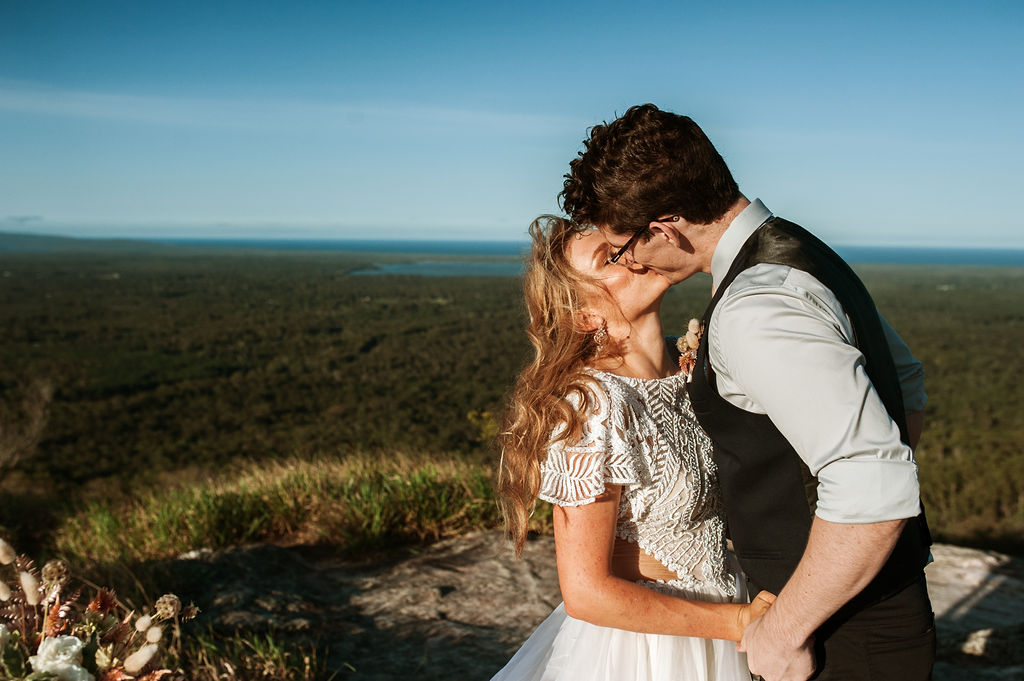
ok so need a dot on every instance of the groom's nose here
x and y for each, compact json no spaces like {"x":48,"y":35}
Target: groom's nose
{"x":630,"y":263}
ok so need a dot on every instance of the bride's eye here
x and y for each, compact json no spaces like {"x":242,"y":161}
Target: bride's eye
{"x":608,"y":255}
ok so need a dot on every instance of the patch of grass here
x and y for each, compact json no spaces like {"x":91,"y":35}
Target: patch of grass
{"x":355,"y":505}
{"x":255,"y":657}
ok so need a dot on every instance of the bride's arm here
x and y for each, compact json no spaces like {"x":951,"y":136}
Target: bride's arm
{"x":584,"y":536}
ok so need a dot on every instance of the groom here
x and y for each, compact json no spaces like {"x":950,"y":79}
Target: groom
{"x":812,"y":401}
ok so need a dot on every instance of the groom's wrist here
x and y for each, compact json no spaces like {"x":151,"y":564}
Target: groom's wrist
{"x":787,"y":627}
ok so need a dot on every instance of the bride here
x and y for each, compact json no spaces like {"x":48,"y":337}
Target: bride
{"x":600,"y":426}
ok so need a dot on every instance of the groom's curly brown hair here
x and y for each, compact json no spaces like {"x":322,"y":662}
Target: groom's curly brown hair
{"x":644,"y":165}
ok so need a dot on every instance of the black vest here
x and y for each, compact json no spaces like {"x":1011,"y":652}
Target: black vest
{"x":769,"y":492}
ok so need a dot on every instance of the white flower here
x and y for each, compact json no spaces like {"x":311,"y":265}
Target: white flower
{"x":143,"y":623}
{"x":5,"y":591}
{"x":7,"y":555}
{"x":693,"y":326}
{"x":62,"y":657}
{"x":140,"y":658}
{"x":154,"y":634}
{"x":30,"y":585}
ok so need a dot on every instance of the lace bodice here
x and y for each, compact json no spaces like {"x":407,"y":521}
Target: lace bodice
{"x":642,"y":434}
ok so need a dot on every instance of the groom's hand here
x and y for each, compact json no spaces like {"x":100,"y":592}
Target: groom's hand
{"x":773,"y":655}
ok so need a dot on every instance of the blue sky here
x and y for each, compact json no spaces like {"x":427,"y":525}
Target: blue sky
{"x":869,"y":123}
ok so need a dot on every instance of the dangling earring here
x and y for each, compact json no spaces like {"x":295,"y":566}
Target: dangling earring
{"x":601,"y":336}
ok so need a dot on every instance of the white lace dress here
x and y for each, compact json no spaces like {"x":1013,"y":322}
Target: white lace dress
{"x":642,"y":435}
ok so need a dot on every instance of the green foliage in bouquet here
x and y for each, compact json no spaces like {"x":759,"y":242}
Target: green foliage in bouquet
{"x":47,"y":635}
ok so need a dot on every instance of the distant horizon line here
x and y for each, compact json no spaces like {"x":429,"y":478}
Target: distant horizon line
{"x":196,"y":240}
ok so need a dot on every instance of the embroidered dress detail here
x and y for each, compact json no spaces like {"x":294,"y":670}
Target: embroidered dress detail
{"x":642,"y":435}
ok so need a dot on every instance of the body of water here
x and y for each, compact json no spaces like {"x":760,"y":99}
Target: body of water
{"x":431,"y":266}
{"x":932,"y":256}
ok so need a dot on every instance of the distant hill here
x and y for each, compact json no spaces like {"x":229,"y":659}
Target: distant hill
{"x":14,"y":242}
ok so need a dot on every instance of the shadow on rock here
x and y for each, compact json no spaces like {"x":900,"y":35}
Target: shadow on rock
{"x":457,"y":609}
{"x":978,"y":597}
{"x":460,"y":608}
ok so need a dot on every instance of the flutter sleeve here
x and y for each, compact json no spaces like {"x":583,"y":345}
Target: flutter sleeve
{"x":609,"y":451}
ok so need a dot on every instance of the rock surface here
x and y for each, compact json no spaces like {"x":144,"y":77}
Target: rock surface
{"x":978,"y":598}
{"x":460,"y":608}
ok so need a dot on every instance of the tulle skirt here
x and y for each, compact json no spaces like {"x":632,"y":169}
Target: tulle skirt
{"x":566,"y":649}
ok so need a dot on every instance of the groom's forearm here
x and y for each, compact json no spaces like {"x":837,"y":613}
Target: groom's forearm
{"x":839,"y":561}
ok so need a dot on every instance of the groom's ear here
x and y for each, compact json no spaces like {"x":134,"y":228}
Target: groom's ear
{"x":667,"y":231}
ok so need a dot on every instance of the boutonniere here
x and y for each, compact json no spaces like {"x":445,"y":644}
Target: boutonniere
{"x":687,"y":346}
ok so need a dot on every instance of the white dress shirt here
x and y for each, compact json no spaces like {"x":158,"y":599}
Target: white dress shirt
{"x":781,"y":345}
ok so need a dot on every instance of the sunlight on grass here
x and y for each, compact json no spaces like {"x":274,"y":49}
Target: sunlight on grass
{"x":353,"y":504}
{"x":263,"y":657}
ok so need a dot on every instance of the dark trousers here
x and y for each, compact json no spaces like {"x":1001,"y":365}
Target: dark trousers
{"x":893,"y":640}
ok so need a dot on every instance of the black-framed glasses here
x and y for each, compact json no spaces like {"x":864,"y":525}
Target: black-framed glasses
{"x":625,"y":247}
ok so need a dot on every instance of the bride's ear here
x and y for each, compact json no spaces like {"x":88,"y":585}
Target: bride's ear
{"x":586,"y":321}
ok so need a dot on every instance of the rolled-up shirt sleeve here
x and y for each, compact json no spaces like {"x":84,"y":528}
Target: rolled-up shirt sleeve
{"x":780,"y":345}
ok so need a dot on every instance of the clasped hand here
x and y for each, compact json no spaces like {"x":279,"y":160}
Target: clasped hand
{"x":755,"y":609}
{"x":769,"y":654}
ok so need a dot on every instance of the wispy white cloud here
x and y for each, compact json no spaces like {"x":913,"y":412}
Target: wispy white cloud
{"x":261,"y":114}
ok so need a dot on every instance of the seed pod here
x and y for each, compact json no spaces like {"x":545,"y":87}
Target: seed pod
{"x":7,"y":554}
{"x":30,"y":585}
{"x":167,"y":606}
{"x":56,"y":571}
{"x":140,"y":658}
{"x":143,"y":623}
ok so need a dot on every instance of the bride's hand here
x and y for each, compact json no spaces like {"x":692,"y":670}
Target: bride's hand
{"x":757,"y":607}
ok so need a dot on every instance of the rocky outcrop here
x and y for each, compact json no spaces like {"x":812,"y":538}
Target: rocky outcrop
{"x":459,"y":608}
{"x":978,"y":597}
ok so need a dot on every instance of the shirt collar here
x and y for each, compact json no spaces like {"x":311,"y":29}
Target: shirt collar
{"x":732,"y":240}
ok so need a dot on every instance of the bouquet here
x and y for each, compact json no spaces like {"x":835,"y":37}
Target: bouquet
{"x":47,"y":635}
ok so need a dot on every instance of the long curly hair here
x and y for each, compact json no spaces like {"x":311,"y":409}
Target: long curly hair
{"x":551,"y":392}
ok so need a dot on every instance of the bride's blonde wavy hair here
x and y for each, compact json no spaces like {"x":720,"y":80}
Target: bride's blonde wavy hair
{"x":539,"y":412}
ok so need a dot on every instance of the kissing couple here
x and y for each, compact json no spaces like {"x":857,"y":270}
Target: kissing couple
{"x":784,"y":421}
